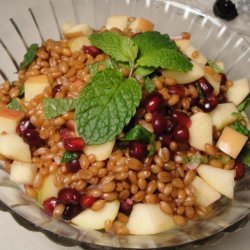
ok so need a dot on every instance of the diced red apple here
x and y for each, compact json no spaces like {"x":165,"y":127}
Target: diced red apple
{"x":78,"y":30}
{"x":76,"y":44}
{"x":231,"y":142}
{"x":221,"y":180}
{"x":13,"y":147}
{"x":119,"y":22}
{"x":186,"y":77}
{"x":149,"y":219}
{"x":141,"y":25}
{"x":222,"y":115}
{"x":201,"y":130}
{"x":239,"y":91}
{"x":89,"y":219}
{"x":22,"y":172}
{"x":9,"y":119}
{"x":101,"y":152}
{"x":205,"y":195}
{"x":34,"y":86}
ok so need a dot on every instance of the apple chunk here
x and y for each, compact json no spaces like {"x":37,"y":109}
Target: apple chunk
{"x":239,"y":91}
{"x":185,"y":77}
{"x":9,"y":119}
{"x":201,"y":130}
{"x":141,"y":25}
{"x":76,"y":30}
{"x":149,"y":219}
{"x":101,"y":152}
{"x":205,"y":195}
{"x":95,"y":220}
{"x":34,"y":86}
{"x":22,"y":172}
{"x":13,"y":147}
{"x":231,"y":142}
{"x":222,"y":115}
{"x":76,"y":44}
{"x":119,"y":22}
{"x":221,"y":180}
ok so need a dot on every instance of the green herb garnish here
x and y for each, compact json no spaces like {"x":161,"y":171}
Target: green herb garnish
{"x":149,"y":85}
{"x":108,"y":63}
{"x":244,"y":104}
{"x":214,"y":66}
{"x":69,"y":156}
{"x":143,"y":71}
{"x":29,"y":56}
{"x":241,"y":128}
{"x":15,"y":105}
{"x":244,"y":156}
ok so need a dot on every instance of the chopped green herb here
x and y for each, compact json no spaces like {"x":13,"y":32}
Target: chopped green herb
{"x":244,"y":156}
{"x":149,"y":85}
{"x":244,"y":104}
{"x":143,"y":71}
{"x":238,"y":126}
{"x":108,"y":63}
{"x":215,"y":66}
{"x":29,"y":56}
{"x":69,"y":156}
{"x":15,"y":105}
{"x":21,"y":90}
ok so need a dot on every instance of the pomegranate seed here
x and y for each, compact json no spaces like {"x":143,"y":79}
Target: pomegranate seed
{"x":87,"y":201}
{"x":73,"y":166}
{"x":23,"y":125}
{"x":31,"y":137}
{"x":71,"y":211}
{"x":92,"y":50}
{"x":210,"y":103}
{"x":127,"y":206}
{"x":73,"y":144}
{"x":165,"y":140}
{"x":221,"y":97}
{"x":154,"y":101}
{"x":68,"y":196}
{"x":65,"y":133}
{"x":49,"y":205}
{"x":181,"y":118}
{"x":177,"y":89}
{"x":56,"y":90}
{"x":158,"y":123}
{"x":223,"y":79}
{"x":181,"y":133}
{"x":137,"y":149}
{"x":240,"y":170}
{"x":169,"y":124}
{"x":205,"y":86}
{"x":194,"y":101}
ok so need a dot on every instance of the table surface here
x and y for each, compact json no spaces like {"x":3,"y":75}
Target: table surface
{"x":13,"y":236}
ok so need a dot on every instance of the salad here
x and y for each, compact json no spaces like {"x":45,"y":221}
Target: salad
{"x":124,"y":129}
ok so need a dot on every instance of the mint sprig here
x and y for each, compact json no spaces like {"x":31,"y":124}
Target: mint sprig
{"x":244,"y":104}
{"x":105,"y":106}
{"x":69,"y":156}
{"x":214,"y":66}
{"x":149,"y":85}
{"x":15,"y":105}
{"x":29,"y":56}
{"x":56,"y":107}
{"x":98,"y":66}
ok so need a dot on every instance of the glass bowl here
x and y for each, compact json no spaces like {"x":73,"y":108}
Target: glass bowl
{"x":209,"y":35}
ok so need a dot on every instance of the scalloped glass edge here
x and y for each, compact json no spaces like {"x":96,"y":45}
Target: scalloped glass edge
{"x":14,"y":39}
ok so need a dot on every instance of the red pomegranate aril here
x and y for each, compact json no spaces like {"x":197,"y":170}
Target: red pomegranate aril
{"x":56,"y":89}
{"x":154,"y":102}
{"x":169,"y":124}
{"x":165,"y":140}
{"x":127,"y":205}
{"x":65,"y":133}
{"x":181,"y":118}
{"x":24,"y":125}
{"x":158,"y":123}
{"x":240,"y":170}
{"x":223,"y":79}
{"x":71,"y":211}
{"x":137,"y":149}
{"x":176,"y":89}
{"x":194,"y":101}
{"x":221,"y":98}
{"x":210,"y":103}
{"x":73,"y":166}
{"x":92,"y":50}
{"x":31,"y":137}
{"x":181,"y":133}
{"x":73,"y":144}
{"x":68,"y":196}
{"x":49,"y":205}
{"x":87,"y":201}
{"x":206,"y":88}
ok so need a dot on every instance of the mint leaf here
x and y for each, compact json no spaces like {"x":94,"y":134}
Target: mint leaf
{"x":69,"y":156}
{"x":244,"y":156}
{"x":119,"y":47}
{"x":166,"y":59}
{"x":244,"y":104}
{"x":15,"y":105}
{"x":98,"y":66}
{"x":29,"y":56}
{"x":21,"y":90}
{"x":138,"y":133}
{"x":55,"y":107}
{"x":149,"y":85}
{"x":238,"y":126}
{"x":153,"y":40}
{"x":105,"y":106}
{"x":143,"y":71}
{"x":214,"y":66}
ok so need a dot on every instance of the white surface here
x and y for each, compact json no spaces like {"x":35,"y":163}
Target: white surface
{"x":14,"y":237}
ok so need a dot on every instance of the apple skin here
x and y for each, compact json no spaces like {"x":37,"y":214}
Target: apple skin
{"x":89,"y":219}
{"x":9,"y":119}
{"x":13,"y":147}
{"x":221,"y":180}
{"x":149,"y":219}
